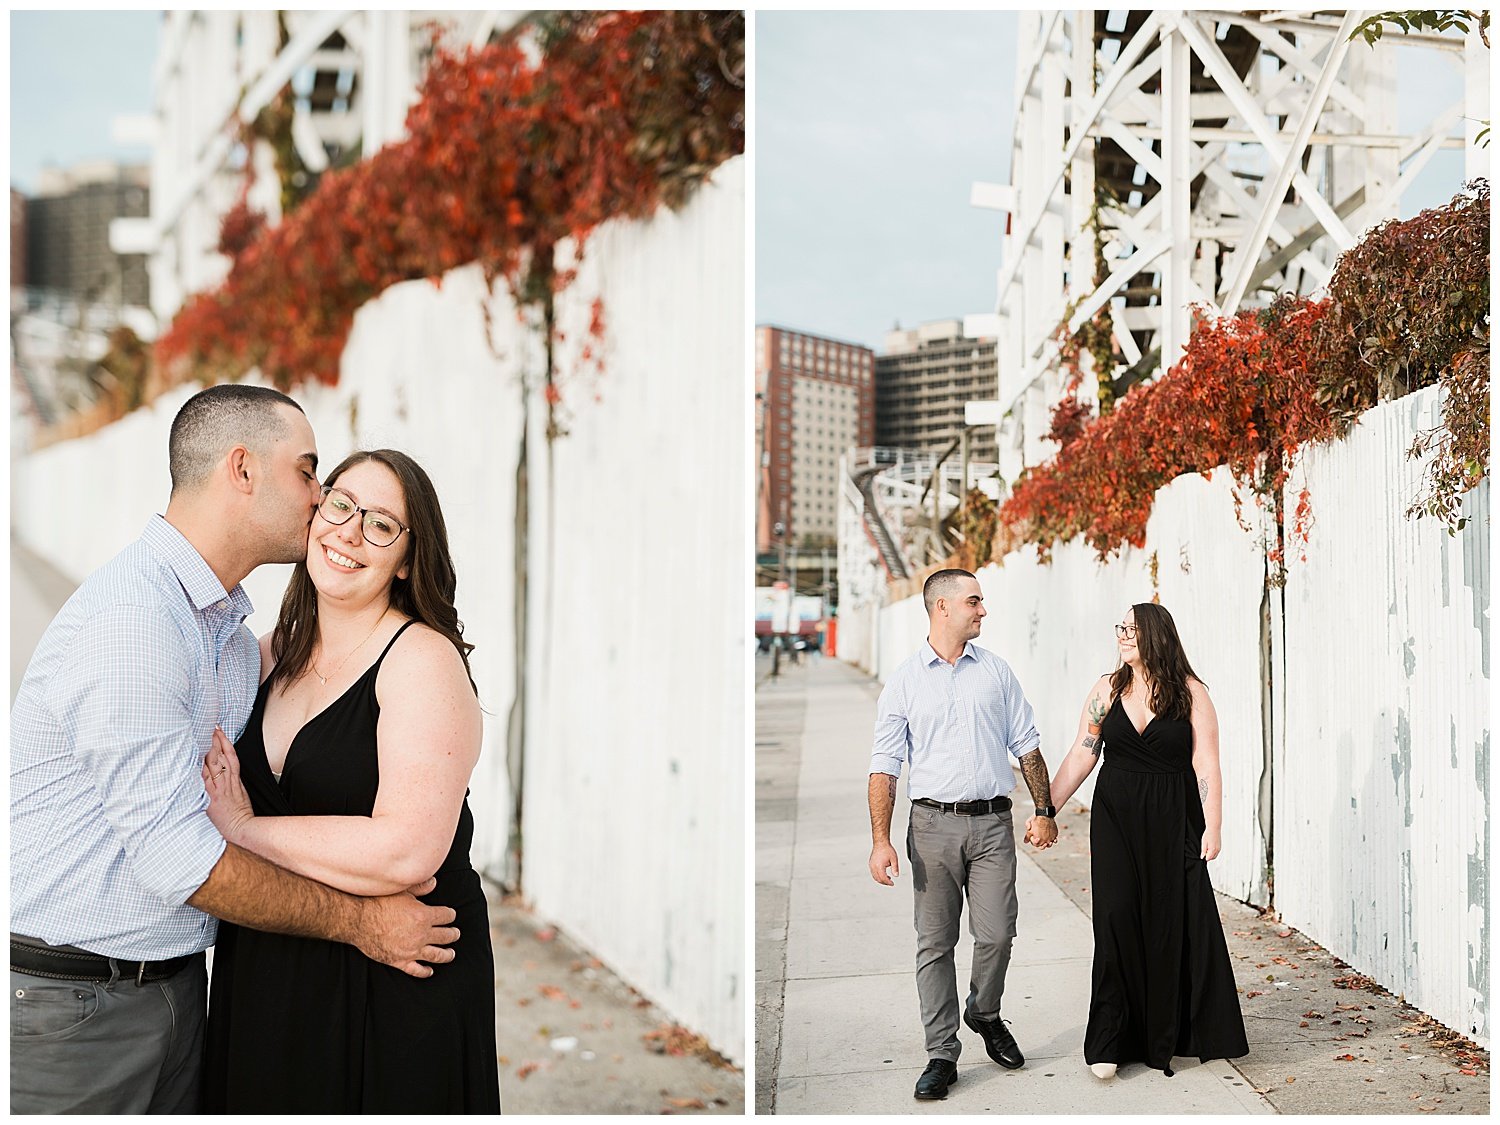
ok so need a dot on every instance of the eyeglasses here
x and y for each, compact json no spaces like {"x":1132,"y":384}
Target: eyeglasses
{"x":378,"y":528}
{"x":1125,"y":632}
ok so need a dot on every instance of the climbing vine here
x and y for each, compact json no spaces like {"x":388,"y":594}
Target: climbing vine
{"x":503,"y":159}
{"x":1406,"y":308}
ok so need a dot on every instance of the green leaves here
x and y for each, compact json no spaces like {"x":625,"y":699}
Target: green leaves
{"x":1432,"y":21}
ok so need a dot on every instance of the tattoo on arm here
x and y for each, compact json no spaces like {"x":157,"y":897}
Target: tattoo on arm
{"x":1096,"y":711}
{"x":1091,"y":744}
{"x":1034,"y":770}
{"x":1203,"y":790}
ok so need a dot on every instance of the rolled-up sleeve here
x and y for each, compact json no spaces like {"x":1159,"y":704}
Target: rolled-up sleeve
{"x":1022,"y":737}
{"x":125,"y":696}
{"x":892,"y":732}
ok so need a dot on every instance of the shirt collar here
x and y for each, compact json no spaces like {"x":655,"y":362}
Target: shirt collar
{"x":930,"y":656}
{"x":201,"y":585}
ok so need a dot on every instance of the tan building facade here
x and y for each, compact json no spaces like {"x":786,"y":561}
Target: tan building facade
{"x":815,"y":400}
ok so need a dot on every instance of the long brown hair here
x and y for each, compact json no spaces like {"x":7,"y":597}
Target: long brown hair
{"x":425,"y":595}
{"x":1166,"y":664}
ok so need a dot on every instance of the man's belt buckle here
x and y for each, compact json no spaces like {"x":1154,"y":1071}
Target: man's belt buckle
{"x":968,"y":808}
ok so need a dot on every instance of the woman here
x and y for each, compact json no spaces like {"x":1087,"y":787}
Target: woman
{"x":1162,"y":984}
{"x":353,"y":771}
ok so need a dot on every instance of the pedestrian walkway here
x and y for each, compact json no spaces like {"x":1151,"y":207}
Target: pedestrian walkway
{"x":845,"y":1035}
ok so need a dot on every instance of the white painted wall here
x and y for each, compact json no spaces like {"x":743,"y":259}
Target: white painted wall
{"x":1383,"y":773}
{"x":637,"y":665}
{"x":1377,"y":691}
{"x":636,"y":670}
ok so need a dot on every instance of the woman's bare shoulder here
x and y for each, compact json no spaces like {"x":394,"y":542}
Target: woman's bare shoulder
{"x":422,"y":651}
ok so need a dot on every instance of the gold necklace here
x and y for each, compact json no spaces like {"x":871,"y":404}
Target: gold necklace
{"x":324,"y":679}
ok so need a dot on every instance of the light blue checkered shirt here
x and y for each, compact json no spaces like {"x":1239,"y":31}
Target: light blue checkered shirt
{"x":108,"y":830}
{"x":953,"y":724}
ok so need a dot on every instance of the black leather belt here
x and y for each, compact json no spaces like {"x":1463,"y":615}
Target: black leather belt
{"x":966,"y":808}
{"x":78,"y":964}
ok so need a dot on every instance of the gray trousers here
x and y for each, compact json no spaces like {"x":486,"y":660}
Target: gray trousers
{"x":82,"y":1047}
{"x":950,"y":855}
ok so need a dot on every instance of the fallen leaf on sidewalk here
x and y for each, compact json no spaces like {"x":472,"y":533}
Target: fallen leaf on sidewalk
{"x":527,"y":1068}
{"x":1312,"y":1015}
{"x":1251,"y":995}
{"x":1290,"y":1081}
{"x":1303,"y":1024}
{"x":687,"y":1103}
{"x":1344,"y":1058}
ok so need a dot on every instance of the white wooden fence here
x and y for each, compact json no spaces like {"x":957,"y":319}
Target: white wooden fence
{"x":635,"y":671}
{"x":1353,"y":704}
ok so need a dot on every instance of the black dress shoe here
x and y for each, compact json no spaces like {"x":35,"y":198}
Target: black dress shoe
{"x":999,"y":1043}
{"x":935,"y":1080}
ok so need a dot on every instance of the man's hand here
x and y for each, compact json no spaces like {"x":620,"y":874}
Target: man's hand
{"x":883,"y":856}
{"x":1041,"y":832}
{"x":401,"y":932}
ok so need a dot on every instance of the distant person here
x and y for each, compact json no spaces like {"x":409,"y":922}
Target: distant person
{"x":115,"y":865}
{"x":955,"y":715}
{"x":353,"y":770}
{"x":1162,"y":982}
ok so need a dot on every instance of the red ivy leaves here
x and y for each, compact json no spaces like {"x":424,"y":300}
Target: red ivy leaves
{"x":1240,"y":396}
{"x":503,"y":159}
{"x":1407,"y":307}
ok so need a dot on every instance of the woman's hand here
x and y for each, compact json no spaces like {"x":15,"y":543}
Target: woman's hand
{"x":1211,"y":844}
{"x":228,"y":803}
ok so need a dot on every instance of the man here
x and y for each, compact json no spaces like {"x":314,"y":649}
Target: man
{"x":952,"y":712}
{"x":115,"y":867}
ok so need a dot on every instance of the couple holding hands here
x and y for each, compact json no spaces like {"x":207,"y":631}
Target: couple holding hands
{"x":952,"y":712}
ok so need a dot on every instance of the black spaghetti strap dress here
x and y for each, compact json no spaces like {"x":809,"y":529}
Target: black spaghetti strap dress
{"x":1162,"y":984}
{"x":299,"y":1025}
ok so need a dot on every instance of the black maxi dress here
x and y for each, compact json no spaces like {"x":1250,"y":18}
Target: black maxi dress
{"x":299,"y":1025}
{"x":1163,"y":984}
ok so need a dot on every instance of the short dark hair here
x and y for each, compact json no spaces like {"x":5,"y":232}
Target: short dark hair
{"x":217,"y":418}
{"x":940,"y":584}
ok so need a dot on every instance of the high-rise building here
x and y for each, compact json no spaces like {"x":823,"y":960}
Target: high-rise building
{"x":816,"y":399}
{"x":922,"y":382}
{"x":67,"y":233}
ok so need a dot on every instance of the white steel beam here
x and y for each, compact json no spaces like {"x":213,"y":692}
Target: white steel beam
{"x":1215,"y":62}
{"x":318,"y":28}
{"x":1032,"y":216}
{"x":1175,"y":189}
{"x":1273,"y":192}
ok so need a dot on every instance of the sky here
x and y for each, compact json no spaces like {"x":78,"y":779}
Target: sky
{"x":71,"y":74}
{"x":871,"y":127}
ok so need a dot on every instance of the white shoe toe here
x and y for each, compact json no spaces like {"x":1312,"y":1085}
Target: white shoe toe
{"x":1103,"y":1070}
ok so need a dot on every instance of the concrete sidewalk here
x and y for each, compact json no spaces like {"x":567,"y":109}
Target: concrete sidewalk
{"x":837,"y":1021}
